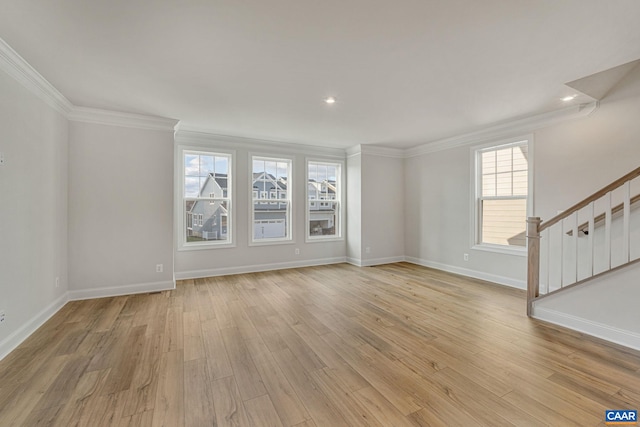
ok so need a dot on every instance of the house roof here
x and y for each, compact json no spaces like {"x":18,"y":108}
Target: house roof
{"x":330,"y":185}
{"x":221,"y":179}
{"x":405,"y":73}
{"x":270,"y":179}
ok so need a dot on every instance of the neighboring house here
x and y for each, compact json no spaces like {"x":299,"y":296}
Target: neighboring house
{"x":322,"y":211}
{"x":269,"y":217}
{"x":208,"y":219}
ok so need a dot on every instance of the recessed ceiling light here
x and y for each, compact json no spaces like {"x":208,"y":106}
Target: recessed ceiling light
{"x":330,"y":100}
{"x":569,"y":98}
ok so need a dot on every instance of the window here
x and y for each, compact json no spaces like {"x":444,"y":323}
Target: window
{"x":270,"y":219}
{"x":502,"y":190}
{"x":206,"y":204}
{"x":323,"y":183}
{"x":189,"y":220}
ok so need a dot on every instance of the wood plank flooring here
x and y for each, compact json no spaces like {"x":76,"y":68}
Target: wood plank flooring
{"x":394,"y":345}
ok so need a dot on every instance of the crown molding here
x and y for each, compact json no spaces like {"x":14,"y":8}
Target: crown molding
{"x":356,"y":150}
{"x":375,"y":150}
{"x":21,"y":71}
{"x":188,"y":136}
{"x":505,"y":129}
{"x":116,"y":118}
{"x":15,"y":66}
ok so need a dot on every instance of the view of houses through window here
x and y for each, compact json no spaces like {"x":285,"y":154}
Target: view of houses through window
{"x":502,"y":194}
{"x":323,"y":199}
{"x":271,"y":207}
{"x":207,"y":203}
{"x":207,"y":199}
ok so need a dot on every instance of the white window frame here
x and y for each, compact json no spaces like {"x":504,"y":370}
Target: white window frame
{"x":265,"y":199}
{"x":181,"y":217}
{"x":476,"y":191}
{"x":339,"y":200}
{"x":189,"y":224}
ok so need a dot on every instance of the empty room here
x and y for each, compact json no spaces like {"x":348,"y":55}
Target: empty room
{"x":291,"y":213}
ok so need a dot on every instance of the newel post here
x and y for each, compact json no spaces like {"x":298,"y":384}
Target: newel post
{"x":533,"y":263}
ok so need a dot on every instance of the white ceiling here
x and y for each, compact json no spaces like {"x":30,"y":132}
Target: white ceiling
{"x":405,"y":72}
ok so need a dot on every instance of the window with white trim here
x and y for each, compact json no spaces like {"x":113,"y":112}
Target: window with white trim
{"x":206,"y":202}
{"x":502,"y":191}
{"x":271,"y":211}
{"x":323,"y":183}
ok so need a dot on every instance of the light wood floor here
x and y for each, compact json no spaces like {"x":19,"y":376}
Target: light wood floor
{"x":395,"y":345}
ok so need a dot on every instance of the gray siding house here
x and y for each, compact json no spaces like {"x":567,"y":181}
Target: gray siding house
{"x":209,"y":219}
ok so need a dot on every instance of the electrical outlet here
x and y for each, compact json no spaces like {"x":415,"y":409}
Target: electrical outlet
{"x":159,"y":268}
{"x":57,"y":282}
{"x":2,"y":317}
{"x":297,"y":251}
{"x":466,"y":257}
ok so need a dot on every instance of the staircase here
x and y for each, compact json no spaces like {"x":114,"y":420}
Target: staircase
{"x":593,"y":238}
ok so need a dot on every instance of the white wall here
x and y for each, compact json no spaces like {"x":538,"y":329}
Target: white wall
{"x":382,"y":207}
{"x":571,"y":160}
{"x":33,"y":211}
{"x":120,"y":210}
{"x":438,"y":219}
{"x":244,"y":257}
{"x":606,"y":308}
{"x":575,"y":159}
{"x":354,"y":208}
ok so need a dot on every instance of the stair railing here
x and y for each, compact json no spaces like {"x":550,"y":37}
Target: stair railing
{"x":572,"y":233}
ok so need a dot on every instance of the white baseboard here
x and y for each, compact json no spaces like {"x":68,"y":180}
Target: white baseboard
{"x":375,"y":261}
{"x":225,"y":271}
{"x":141,"y":288}
{"x":354,"y":261}
{"x":501,"y":280}
{"x":599,"y":330}
{"x":15,"y":339}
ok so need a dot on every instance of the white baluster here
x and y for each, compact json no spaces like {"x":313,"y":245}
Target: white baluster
{"x":548,"y":237}
{"x":574,"y":235}
{"x":561,"y":226}
{"x":592,"y":231}
{"x":626,"y":188}
{"x":607,"y":230}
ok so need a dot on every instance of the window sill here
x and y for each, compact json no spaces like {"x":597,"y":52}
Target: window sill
{"x":323,"y":239}
{"x":271,"y":242}
{"x":501,"y":249}
{"x":206,"y":246}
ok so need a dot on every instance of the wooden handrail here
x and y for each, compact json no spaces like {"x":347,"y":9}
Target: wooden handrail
{"x":535,"y":227}
{"x":595,"y":196}
{"x":598,"y":219}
